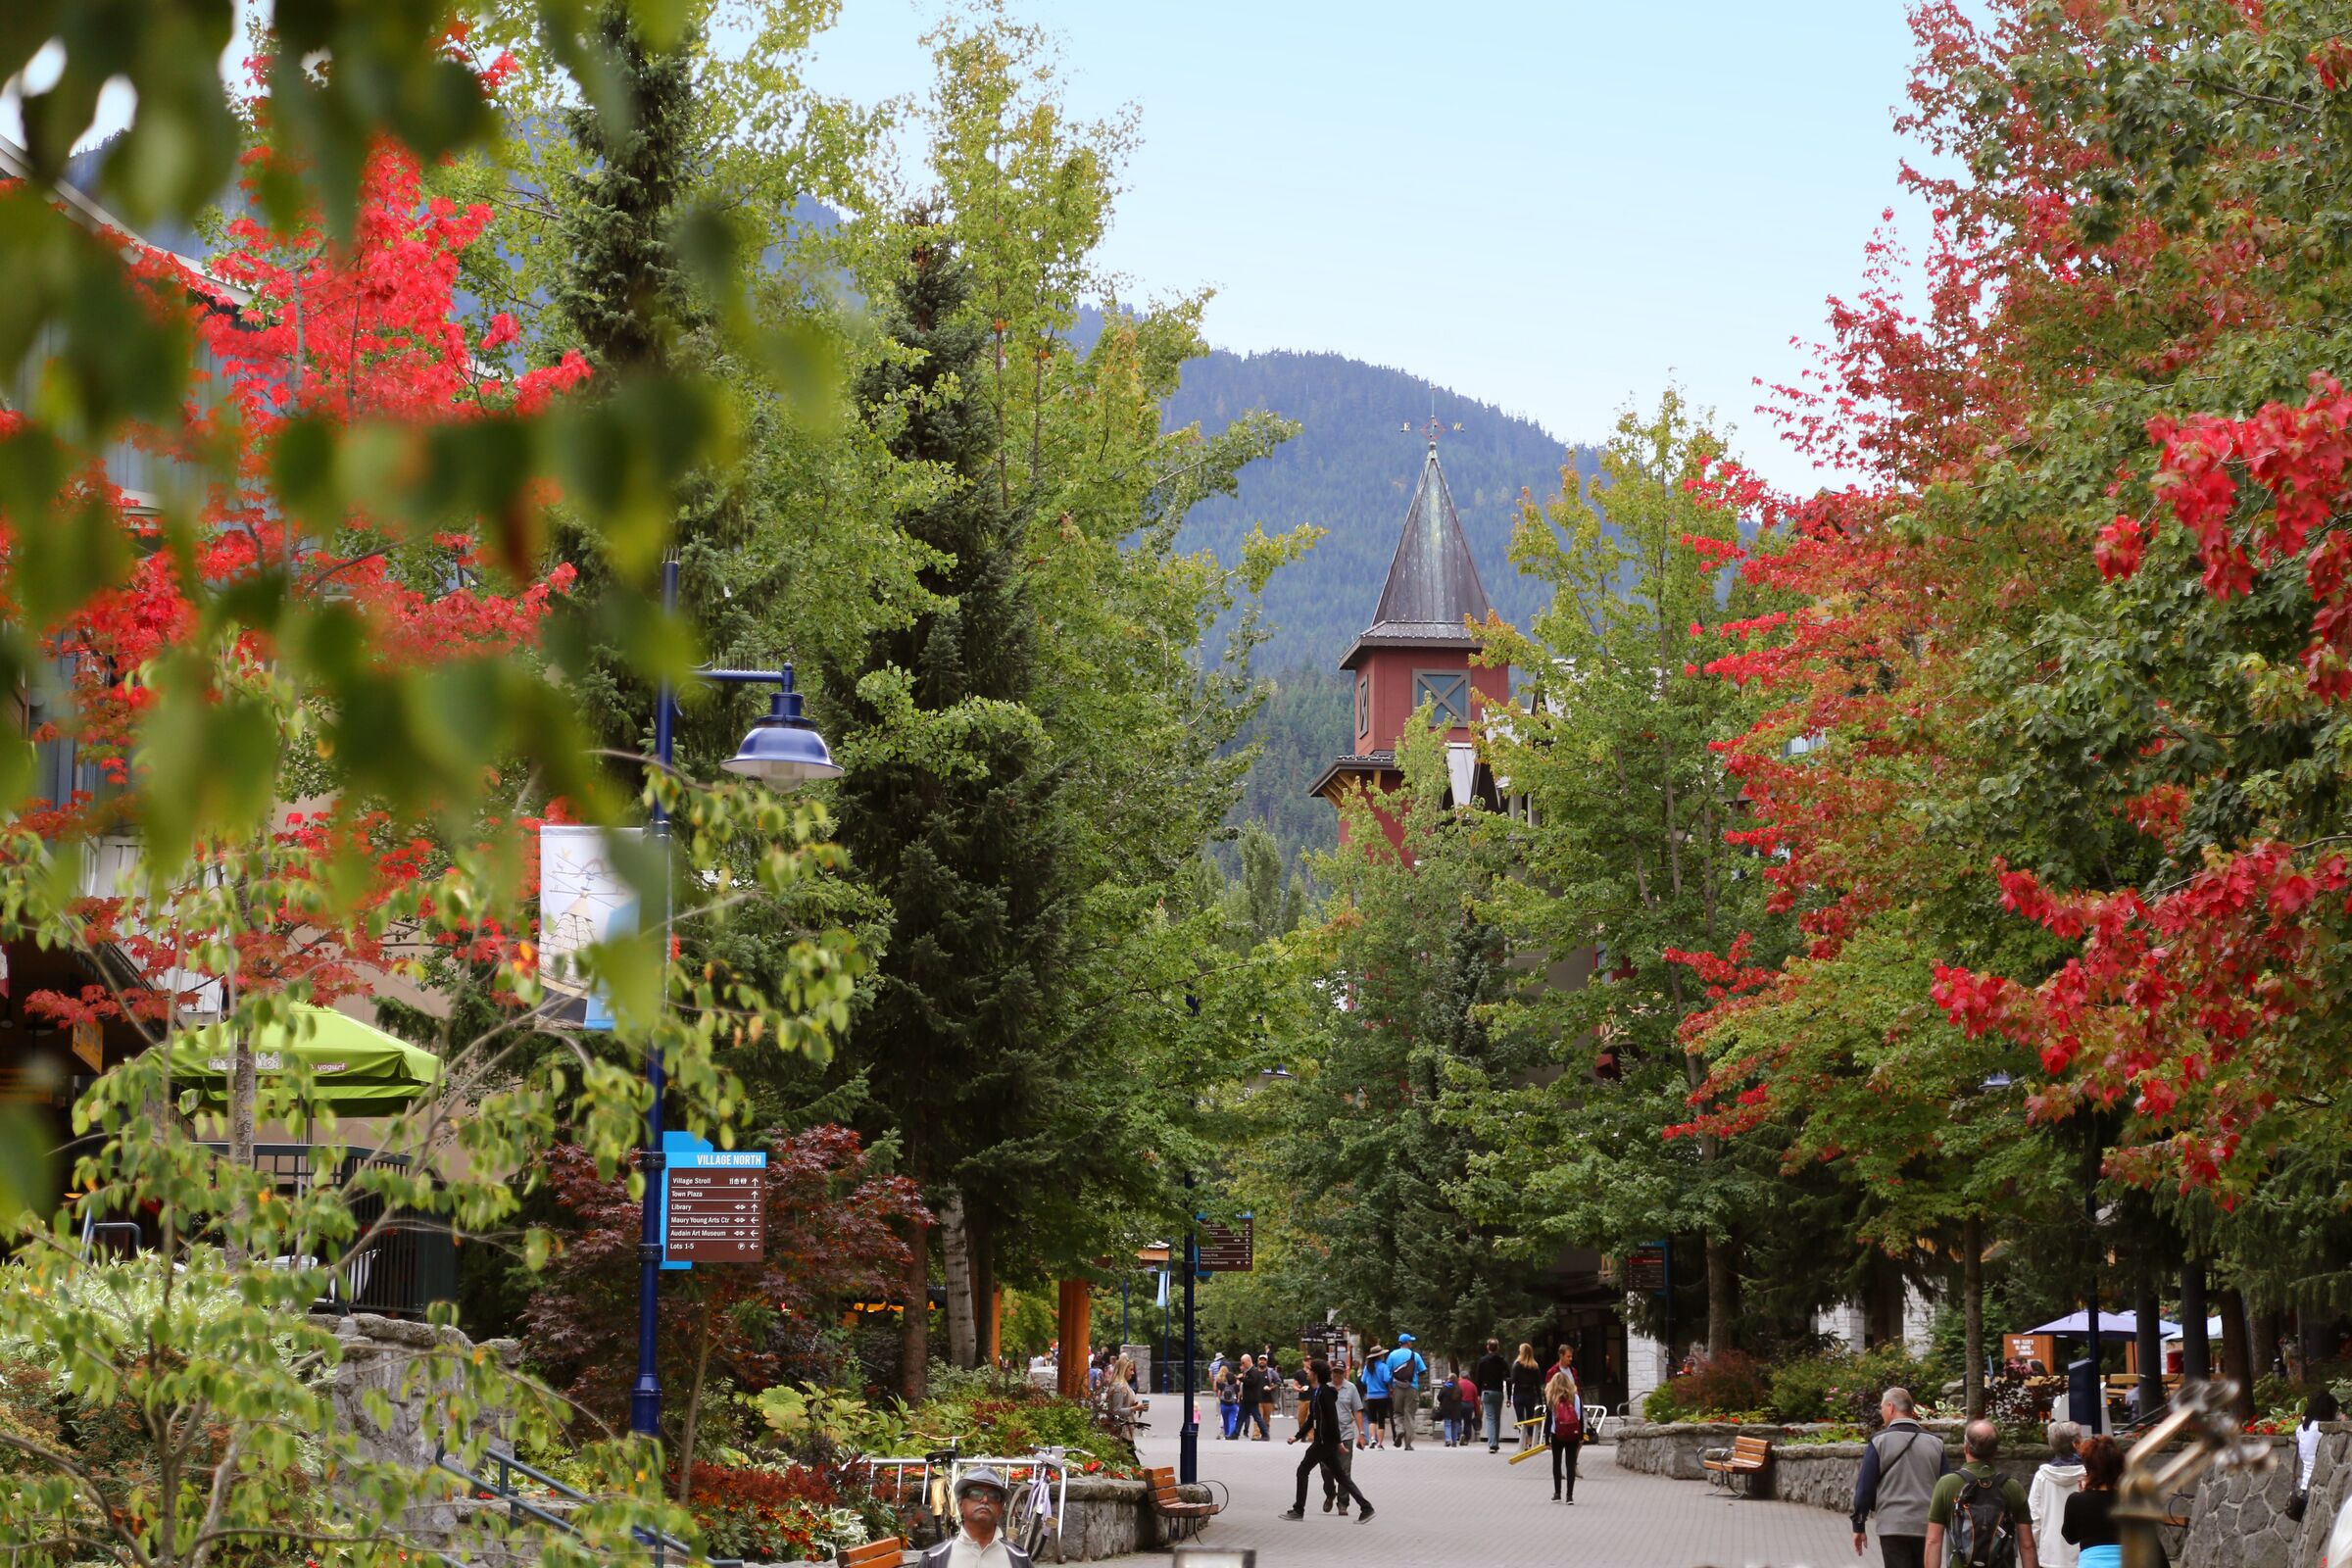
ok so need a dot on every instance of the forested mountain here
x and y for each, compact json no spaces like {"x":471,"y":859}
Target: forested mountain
{"x":1350,"y":470}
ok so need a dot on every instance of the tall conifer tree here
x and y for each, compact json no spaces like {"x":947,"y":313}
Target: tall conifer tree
{"x":949,"y":807}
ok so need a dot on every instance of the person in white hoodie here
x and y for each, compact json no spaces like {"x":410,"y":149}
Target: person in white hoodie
{"x":2059,"y":1478}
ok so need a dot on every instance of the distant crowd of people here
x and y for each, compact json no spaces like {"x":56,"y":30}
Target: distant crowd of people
{"x":1377,"y":1403}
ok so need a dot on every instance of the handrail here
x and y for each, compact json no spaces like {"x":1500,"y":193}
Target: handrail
{"x":518,"y":1506}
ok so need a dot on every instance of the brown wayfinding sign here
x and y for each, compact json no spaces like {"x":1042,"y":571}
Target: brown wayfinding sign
{"x":1227,"y":1249}
{"x":714,"y":1203}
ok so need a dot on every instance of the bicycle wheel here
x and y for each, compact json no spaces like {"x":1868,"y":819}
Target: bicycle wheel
{"x":1022,"y":1525}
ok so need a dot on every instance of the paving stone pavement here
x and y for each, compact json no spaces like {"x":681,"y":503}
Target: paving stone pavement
{"x":1442,"y":1508}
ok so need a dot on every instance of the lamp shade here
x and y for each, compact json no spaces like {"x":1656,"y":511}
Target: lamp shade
{"x":783,"y":750}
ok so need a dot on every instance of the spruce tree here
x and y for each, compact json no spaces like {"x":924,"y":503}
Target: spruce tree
{"x":626,"y":303}
{"x":949,"y":810}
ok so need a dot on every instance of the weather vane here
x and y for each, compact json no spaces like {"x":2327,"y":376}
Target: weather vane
{"x":1435,"y":427}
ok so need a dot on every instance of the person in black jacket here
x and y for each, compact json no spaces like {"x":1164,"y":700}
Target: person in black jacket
{"x":1527,"y":1397}
{"x":1322,"y":1433}
{"x":1492,"y":1375}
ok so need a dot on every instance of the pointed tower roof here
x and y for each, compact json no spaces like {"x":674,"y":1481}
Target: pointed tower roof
{"x":1433,"y":583}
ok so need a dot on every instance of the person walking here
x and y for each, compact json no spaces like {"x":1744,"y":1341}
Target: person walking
{"x":1406,"y":1370}
{"x":1269,"y":1383}
{"x":1253,"y":1378}
{"x":1349,"y":1400}
{"x":1900,"y":1470}
{"x":1449,"y":1408}
{"x":1119,"y":1403}
{"x":2089,"y":1525}
{"x":2059,"y":1478}
{"x":1493,"y":1374}
{"x":1302,"y":1395}
{"x":1563,"y":1410}
{"x":1527,"y":1397}
{"x":1376,"y":1393}
{"x":2320,"y":1406}
{"x":1228,"y":1384}
{"x":1974,"y":1507}
{"x":1322,"y":1430}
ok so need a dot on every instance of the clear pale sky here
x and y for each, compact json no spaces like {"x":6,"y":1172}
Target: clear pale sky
{"x":1557,"y":207}
{"x":1552,"y":206}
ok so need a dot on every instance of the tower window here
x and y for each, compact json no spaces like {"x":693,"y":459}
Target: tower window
{"x":1363,"y":705}
{"x":1446,"y":691}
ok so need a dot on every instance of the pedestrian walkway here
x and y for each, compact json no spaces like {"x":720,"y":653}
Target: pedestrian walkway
{"x":1442,"y":1508}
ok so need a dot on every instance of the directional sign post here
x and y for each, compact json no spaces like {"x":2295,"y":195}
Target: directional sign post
{"x":1228,"y":1250}
{"x":713,"y":1202}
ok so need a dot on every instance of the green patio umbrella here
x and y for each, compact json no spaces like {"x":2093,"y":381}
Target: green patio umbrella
{"x":356,"y":1068}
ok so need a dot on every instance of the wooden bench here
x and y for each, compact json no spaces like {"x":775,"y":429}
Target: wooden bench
{"x":1746,"y":1461}
{"x":885,"y":1554}
{"x":1169,"y":1502}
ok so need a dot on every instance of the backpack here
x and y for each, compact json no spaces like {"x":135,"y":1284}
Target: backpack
{"x":1567,"y":1418}
{"x":1982,"y":1535}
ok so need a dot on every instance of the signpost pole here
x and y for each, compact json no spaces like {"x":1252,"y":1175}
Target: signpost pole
{"x":1188,"y":1452}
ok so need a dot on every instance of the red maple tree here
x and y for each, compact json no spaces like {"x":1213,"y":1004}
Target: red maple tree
{"x":295,"y":331}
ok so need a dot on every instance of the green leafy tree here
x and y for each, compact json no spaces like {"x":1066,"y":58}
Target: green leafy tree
{"x":1627,"y":878}
{"x":1375,"y":1141}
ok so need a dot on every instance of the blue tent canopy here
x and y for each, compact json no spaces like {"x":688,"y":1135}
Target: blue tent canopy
{"x":2124,"y":1324}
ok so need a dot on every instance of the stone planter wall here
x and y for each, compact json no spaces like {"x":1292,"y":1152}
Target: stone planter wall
{"x":1676,"y":1449}
{"x":2235,"y":1521}
{"x":1822,"y":1475}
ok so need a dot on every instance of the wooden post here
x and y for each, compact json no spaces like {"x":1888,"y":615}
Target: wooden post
{"x":1076,"y":1331}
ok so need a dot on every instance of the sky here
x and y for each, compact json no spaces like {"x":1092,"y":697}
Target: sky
{"x":1559,"y":207}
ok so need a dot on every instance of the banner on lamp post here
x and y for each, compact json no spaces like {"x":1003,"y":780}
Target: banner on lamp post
{"x":583,"y":900}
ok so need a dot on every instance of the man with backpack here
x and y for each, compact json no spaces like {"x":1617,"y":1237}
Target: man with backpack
{"x":1406,"y":1367}
{"x":1898,"y":1475}
{"x":1977,"y":1517}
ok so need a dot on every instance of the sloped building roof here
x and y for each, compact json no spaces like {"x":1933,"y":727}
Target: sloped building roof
{"x":1433,"y":583}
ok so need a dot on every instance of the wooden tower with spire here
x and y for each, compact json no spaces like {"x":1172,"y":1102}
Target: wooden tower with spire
{"x":1418,"y":650}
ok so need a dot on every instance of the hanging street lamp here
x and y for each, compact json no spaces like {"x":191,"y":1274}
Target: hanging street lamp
{"x":783,"y":751}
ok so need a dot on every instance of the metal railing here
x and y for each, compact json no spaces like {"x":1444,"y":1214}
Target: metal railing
{"x":408,"y":1264}
{"x":521,"y":1507}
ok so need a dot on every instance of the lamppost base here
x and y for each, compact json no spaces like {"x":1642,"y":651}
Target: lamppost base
{"x":1188,"y":1454}
{"x":645,"y":1409}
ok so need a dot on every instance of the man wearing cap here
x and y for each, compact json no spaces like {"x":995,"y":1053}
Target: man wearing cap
{"x":980,"y":1503}
{"x":1406,"y":1367}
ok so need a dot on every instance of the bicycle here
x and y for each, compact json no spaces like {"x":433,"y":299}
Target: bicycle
{"x":1041,"y":1502}
{"x":931,"y":1513}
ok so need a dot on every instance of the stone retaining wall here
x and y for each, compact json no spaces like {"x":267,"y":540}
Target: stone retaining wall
{"x":2236,"y":1520}
{"x":1676,"y":1449}
{"x":2239,"y":1520}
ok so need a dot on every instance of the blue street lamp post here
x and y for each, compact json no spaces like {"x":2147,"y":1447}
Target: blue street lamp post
{"x":783,"y":751}
{"x":1188,"y":1449}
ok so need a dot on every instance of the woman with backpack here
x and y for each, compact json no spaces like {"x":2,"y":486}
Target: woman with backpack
{"x":1563,"y":1405}
{"x":2089,"y":1518}
{"x":1526,"y":1395}
{"x":1228,"y":1384}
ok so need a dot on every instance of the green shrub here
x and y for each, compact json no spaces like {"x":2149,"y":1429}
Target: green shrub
{"x":1842,"y":1387}
{"x":1732,"y":1382}
{"x":1660,"y":1404}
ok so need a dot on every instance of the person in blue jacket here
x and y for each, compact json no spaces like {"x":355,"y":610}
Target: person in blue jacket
{"x":1377,"y":1376}
{"x":1406,"y":1370}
